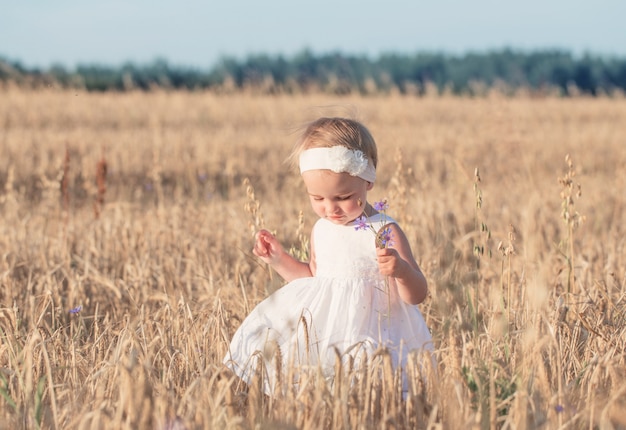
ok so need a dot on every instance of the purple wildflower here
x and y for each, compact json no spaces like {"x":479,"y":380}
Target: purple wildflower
{"x":386,"y":237}
{"x":361,"y":223}
{"x":76,"y":310}
{"x":381,"y":206}
{"x":558,"y":409}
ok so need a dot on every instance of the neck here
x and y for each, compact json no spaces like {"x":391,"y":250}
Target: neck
{"x":369,"y":211}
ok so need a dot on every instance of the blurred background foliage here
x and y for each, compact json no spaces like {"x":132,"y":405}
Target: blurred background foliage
{"x":542,"y":72}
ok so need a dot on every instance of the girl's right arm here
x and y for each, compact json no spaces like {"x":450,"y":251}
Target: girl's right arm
{"x":269,"y":250}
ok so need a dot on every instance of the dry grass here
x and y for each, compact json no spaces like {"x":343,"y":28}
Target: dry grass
{"x":133,"y":206}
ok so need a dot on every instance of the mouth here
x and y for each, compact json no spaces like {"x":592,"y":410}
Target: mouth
{"x":335,"y":217}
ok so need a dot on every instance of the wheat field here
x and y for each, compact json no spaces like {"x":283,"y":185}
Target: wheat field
{"x":126,"y":262}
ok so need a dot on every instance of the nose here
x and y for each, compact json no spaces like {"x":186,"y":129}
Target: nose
{"x":332,"y":208}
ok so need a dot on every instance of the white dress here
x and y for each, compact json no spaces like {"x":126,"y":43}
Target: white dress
{"x":346,"y":308}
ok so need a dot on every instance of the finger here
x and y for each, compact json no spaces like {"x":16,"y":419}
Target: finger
{"x":267,"y":244}
{"x":267,"y":239}
{"x":263,"y":236}
{"x":260,"y":248}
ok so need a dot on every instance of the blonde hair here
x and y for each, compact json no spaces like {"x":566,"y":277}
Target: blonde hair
{"x":327,"y":132}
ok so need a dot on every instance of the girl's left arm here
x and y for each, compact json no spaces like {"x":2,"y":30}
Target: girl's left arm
{"x":398,"y":262}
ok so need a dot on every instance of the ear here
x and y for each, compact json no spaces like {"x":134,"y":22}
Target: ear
{"x":370,"y":185}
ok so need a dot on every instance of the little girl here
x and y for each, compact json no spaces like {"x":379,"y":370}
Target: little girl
{"x":352,"y":296}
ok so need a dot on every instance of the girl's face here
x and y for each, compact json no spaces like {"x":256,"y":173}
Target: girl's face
{"x":335,"y":196}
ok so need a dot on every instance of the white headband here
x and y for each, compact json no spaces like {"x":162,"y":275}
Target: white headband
{"x":339,"y":159}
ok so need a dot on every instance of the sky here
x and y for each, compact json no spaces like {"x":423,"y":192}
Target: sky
{"x":198,"y":33}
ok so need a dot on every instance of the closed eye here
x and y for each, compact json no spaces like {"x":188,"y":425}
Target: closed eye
{"x":341,"y":198}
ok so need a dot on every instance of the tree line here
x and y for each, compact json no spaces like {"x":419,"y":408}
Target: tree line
{"x":555,"y":72}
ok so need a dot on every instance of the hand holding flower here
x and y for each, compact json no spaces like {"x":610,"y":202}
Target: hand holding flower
{"x":391,"y":264}
{"x":396,"y":261}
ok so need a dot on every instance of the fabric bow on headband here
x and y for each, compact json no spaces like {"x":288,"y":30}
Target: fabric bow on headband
{"x":338,"y":159}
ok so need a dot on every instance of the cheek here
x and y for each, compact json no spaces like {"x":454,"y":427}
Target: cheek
{"x":352,"y":206}
{"x":318,"y":207}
